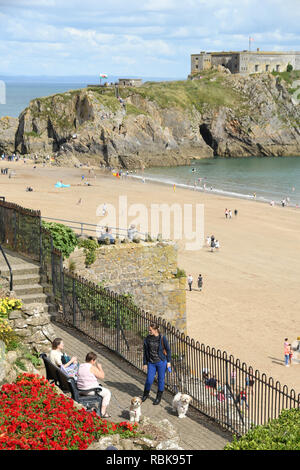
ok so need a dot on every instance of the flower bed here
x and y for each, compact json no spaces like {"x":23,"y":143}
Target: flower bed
{"x":34,"y":416}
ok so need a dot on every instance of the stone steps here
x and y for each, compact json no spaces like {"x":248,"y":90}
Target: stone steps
{"x":26,"y":281}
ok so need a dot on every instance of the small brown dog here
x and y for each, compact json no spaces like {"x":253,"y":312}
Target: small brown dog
{"x":135,"y":409}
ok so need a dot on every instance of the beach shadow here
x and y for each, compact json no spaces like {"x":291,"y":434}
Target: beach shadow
{"x":275,"y":360}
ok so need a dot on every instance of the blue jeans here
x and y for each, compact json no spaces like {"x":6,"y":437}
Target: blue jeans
{"x":286,"y":359}
{"x":160,"y":368}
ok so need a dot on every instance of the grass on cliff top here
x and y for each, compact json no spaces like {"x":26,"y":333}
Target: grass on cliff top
{"x":288,"y":77}
{"x":211,"y":90}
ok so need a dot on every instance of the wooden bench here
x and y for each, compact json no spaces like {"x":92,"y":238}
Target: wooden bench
{"x":68,"y":385}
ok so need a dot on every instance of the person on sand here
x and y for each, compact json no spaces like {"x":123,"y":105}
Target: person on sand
{"x":200,"y":282}
{"x":190,"y":281}
{"x":212,"y":243}
{"x":88,"y":374}
{"x":286,"y":352}
{"x":290,"y":355}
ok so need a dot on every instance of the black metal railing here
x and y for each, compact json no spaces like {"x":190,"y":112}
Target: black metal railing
{"x":9,"y":268}
{"x":231,"y":393}
{"x":222,"y":388}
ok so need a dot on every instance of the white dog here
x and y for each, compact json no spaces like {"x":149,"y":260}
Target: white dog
{"x":135,"y":409}
{"x":181,"y":403}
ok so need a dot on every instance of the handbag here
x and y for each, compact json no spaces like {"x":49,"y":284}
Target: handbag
{"x":163,"y":346}
{"x":65,"y":359}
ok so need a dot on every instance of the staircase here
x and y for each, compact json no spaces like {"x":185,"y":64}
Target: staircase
{"x":26,"y":280}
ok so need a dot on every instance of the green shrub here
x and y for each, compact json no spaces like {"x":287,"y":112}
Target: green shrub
{"x":282,"y":433}
{"x":180,"y":273}
{"x":90,"y":247}
{"x":64,"y":239}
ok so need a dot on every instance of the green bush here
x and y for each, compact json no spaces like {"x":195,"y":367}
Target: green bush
{"x":90,"y":247}
{"x":282,"y":433}
{"x":64,"y":239}
{"x":180,"y":273}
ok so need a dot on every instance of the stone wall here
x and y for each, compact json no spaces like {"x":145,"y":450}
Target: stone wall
{"x":145,"y":270}
{"x":32,"y":326}
{"x":35,"y":333}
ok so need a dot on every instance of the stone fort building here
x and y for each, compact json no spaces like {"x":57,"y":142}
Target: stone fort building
{"x":246,"y":62}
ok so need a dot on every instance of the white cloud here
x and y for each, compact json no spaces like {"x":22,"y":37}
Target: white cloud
{"x":136,"y":36}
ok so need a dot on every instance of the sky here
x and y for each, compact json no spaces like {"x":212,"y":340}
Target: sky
{"x":139,"y":38}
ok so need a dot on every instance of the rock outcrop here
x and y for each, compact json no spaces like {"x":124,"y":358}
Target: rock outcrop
{"x":161,"y":124}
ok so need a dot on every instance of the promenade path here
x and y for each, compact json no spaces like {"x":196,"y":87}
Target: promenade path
{"x":125,"y":381}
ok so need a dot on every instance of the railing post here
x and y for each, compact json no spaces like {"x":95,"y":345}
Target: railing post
{"x":15,"y":231}
{"x":41,"y":242}
{"x":74,"y":303}
{"x":62,"y":285}
{"x":118,"y":327}
{"x":52,"y":267}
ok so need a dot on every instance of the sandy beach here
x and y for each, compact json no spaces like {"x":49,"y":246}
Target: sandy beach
{"x":250,"y":298}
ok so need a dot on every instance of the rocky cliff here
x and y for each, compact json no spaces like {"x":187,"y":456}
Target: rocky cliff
{"x":162,"y":124}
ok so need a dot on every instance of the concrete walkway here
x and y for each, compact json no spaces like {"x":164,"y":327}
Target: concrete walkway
{"x":125,"y":381}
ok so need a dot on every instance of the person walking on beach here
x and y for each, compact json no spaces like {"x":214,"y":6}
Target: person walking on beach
{"x":190,"y":281}
{"x":156,"y":359}
{"x":286,"y":352}
{"x":290,"y":355}
{"x":200,"y":282}
{"x":212,"y":243}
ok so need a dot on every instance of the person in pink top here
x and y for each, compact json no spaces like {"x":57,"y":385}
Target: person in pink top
{"x":287,"y":351}
{"x":88,"y":374}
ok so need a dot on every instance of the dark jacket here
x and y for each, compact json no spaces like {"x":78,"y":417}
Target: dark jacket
{"x":161,"y":355}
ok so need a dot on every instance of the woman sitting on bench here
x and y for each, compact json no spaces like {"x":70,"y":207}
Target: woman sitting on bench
{"x":88,"y":373}
{"x":58,"y":358}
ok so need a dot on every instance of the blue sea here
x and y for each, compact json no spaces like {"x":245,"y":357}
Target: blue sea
{"x":263,"y":179}
{"x":21,"y":90}
{"x":269,"y":178}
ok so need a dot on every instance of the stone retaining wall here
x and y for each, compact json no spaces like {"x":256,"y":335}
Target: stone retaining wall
{"x":145,"y":270}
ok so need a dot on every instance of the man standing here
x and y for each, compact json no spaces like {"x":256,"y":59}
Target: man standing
{"x":190,"y":281}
